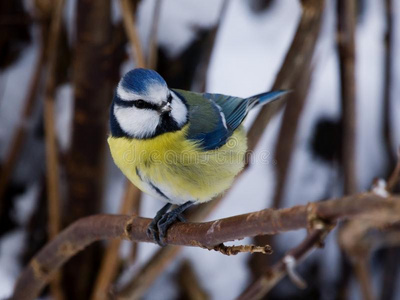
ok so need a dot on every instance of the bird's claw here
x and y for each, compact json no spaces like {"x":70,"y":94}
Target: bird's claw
{"x":157,"y":230}
{"x":152,"y":232}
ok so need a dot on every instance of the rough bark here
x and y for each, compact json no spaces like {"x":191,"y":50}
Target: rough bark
{"x":85,"y":163}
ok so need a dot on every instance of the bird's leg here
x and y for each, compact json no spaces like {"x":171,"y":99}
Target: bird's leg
{"x":152,"y":230}
{"x":169,"y":218}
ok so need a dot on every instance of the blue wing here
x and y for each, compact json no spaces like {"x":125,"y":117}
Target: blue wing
{"x":214,"y":117}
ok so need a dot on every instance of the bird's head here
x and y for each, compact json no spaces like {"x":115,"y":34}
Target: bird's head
{"x":144,"y":106}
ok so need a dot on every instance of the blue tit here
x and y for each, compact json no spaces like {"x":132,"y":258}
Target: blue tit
{"x":182,"y":147}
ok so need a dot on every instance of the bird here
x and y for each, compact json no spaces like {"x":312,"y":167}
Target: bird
{"x":181,"y":147}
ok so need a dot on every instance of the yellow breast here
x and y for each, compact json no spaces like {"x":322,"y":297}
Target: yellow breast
{"x":170,"y":166}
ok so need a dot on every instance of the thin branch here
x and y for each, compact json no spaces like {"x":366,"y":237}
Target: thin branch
{"x":109,"y":265}
{"x":128,"y":16}
{"x":134,"y":209}
{"x":346,"y":47}
{"x":296,"y":59}
{"x":387,"y":119}
{"x":273,"y":275}
{"x":294,"y":108}
{"x":189,"y":283}
{"x":53,"y":184}
{"x":394,"y":178}
{"x":52,"y":163}
{"x":357,"y":242}
{"x":159,"y":261}
{"x":295,"y":74}
{"x":153,"y":45}
{"x":269,"y":221}
{"x":361,"y":270}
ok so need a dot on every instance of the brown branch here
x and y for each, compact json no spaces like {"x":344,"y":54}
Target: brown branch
{"x":109,"y":265}
{"x":296,"y":59}
{"x":93,"y":80}
{"x":269,"y":221}
{"x":148,"y":273}
{"x":267,"y":281}
{"x":351,"y":240}
{"x":52,"y":160}
{"x":53,"y":184}
{"x":356,"y":241}
{"x":387,"y":119}
{"x":128,"y":16}
{"x":295,"y":74}
{"x":189,"y":283}
{"x":394,"y":178}
{"x":153,"y":45}
{"x":346,"y":47}
{"x":390,"y":270}
{"x":159,"y":261}
{"x":134,"y":209}
{"x":286,"y":138}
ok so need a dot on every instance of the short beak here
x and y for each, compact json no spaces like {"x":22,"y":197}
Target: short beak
{"x":166,"y":108}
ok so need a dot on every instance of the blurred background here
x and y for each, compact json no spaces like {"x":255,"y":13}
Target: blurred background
{"x":59,"y":63}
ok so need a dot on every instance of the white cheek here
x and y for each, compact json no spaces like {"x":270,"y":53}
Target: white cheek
{"x":179,"y":110}
{"x":139,"y":123}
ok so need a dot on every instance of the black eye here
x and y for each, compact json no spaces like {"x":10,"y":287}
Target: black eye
{"x":170,"y":98}
{"x":140,"y":103}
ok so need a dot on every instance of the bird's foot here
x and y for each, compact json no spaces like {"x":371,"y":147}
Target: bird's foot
{"x":152,"y":230}
{"x":158,"y":228}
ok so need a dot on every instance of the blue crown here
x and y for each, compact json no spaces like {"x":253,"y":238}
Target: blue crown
{"x":138,"y":80}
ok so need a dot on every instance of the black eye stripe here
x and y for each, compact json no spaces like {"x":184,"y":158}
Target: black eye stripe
{"x":141,"y":104}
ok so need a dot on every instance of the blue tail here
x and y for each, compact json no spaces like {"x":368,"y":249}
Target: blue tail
{"x":267,"y":97}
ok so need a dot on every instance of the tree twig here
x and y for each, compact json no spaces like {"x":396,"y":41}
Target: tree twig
{"x":128,"y":16}
{"x":109,"y":264}
{"x":295,"y":74}
{"x":394,"y":178}
{"x":93,"y":82}
{"x":52,"y":160}
{"x":153,"y":45}
{"x":157,"y":263}
{"x":387,"y":119}
{"x":53,"y":180}
{"x":269,"y":221}
{"x":356,"y":241}
{"x":346,"y":47}
{"x":189,"y":283}
{"x":293,"y":67}
{"x":285,"y":266}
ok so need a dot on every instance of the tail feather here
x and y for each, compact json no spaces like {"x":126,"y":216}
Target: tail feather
{"x":265,"y":98}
